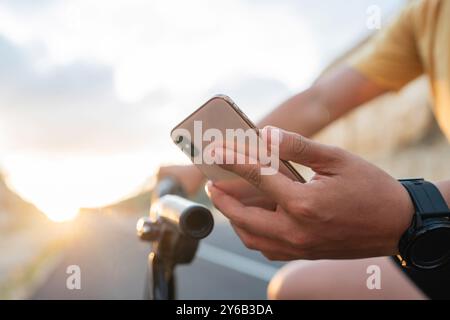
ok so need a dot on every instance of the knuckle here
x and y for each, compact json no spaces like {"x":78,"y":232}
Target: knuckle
{"x":304,"y":243}
{"x":297,"y":144}
{"x":337,"y":153}
{"x":308,"y":210}
{"x":240,"y":221}
{"x":293,"y":205}
{"x":309,"y":247}
{"x":253,"y":176}
{"x":249,"y":242}
{"x":299,"y":240}
{"x":302,"y":207}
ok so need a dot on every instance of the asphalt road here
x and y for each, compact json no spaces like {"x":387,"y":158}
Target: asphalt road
{"x":113,"y":265}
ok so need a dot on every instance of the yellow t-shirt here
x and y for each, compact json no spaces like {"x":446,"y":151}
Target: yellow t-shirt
{"x":417,"y":42}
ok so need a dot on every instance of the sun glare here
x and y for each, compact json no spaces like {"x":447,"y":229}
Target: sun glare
{"x":59,"y":212}
{"x":60,"y":186}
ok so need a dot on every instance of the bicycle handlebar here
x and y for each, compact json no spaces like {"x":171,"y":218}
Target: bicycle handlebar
{"x":170,"y":209}
{"x":167,"y":186}
{"x":189,"y":218}
{"x":174,"y":227}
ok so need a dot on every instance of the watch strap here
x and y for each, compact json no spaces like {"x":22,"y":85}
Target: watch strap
{"x":427,"y":199}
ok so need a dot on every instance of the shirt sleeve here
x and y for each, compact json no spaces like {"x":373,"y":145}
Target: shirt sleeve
{"x":391,"y":58}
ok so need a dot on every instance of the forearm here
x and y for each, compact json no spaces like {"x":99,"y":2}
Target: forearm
{"x":444,"y":188}
{"x":333,"y":95}
{"x":303,"y":113}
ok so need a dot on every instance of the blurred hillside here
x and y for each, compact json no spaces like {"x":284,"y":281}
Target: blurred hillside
{"x":15,"y":212}
{"x":134,"y":205}
{"x":29,"y":244}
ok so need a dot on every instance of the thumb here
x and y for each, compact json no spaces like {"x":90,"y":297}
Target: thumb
{"x":294,"y":147}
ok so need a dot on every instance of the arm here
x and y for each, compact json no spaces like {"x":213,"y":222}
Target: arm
{"x":390,"y":60}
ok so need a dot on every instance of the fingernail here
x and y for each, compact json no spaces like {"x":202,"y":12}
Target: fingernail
{"x":208,"y":185}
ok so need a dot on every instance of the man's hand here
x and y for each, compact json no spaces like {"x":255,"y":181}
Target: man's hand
{"x":350,"y":209}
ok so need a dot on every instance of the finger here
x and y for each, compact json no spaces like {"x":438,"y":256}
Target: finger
{"x":258,"y":221}
{"x":276,"y":256}
{"x":260,"y":202}
{"x":237,"y":188}
{"x":264,"y":244}
{"x":292,"y":146}
{"x":275,"y":185}
{"x":246,"y":193}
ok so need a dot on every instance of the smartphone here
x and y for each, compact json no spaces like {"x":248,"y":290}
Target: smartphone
{"x":218,"y":114}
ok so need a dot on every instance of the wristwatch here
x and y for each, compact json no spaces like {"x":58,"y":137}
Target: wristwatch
{"x":426,"y":243}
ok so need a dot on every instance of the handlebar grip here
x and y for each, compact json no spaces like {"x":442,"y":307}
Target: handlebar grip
{"x":191,"y":219}
{"x":166,"y":186}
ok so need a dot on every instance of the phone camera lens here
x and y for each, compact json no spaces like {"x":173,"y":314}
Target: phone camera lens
{"x":179,"y":139}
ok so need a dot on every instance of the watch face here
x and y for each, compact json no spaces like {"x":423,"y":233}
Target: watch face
{"x":432,"y":248}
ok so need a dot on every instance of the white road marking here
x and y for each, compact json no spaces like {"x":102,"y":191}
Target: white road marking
{"x":230,"y":260}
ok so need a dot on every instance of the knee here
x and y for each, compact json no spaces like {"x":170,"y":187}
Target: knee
{"x":275,"y":289}
{"x":290,"y":282}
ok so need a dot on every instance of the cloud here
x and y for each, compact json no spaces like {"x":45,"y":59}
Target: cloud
{"x":72,"y":84}
{"x":66,"y":108}
{"x":179,"y":46}
{"x":27,"y":5}
{"x":103,"y":74}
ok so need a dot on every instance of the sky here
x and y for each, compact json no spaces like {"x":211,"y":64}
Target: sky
{"x":89,"y":89}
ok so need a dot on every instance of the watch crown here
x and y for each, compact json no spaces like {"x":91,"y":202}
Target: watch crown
{"x":402,"y":261}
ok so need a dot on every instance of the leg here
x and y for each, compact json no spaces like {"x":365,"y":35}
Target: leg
{"x":341,"y":279}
